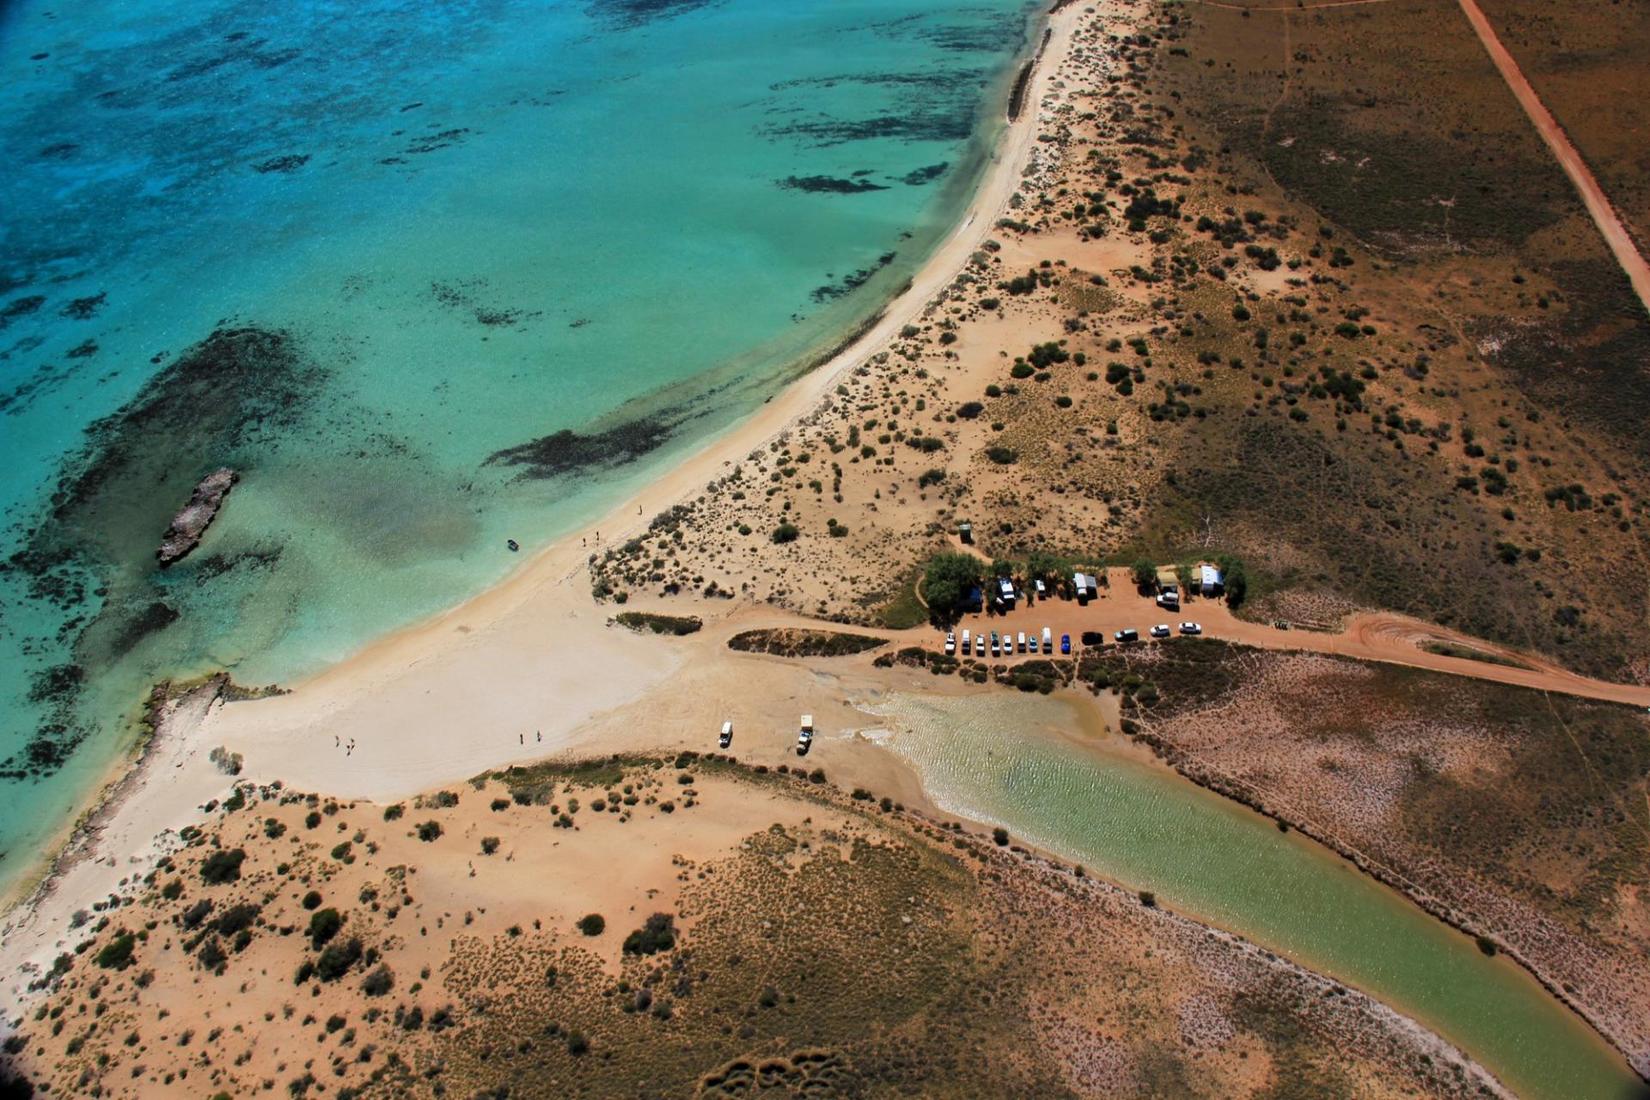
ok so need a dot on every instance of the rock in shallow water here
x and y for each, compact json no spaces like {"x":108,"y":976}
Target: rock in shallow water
{"x":192,"y":521}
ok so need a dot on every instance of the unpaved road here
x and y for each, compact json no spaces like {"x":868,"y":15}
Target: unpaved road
{"x":1603,"y":214}
{"x":1373,"y":636}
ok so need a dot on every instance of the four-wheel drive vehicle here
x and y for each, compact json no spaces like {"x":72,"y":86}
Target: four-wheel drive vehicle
{"x":1161,"y":630}
{"x":1125,"y":636}
{"x":1190,"y":628}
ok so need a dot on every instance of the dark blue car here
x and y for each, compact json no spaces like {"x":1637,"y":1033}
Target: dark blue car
{"x":1065,"y":643}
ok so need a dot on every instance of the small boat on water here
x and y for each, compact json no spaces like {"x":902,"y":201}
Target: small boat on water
{"x":513,"y":545}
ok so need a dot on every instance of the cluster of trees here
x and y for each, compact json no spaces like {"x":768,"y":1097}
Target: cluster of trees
{"x":1233,"y":577}
{"x":949,"y":577}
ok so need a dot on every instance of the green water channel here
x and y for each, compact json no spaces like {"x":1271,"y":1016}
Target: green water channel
{"x":1047,"y":771}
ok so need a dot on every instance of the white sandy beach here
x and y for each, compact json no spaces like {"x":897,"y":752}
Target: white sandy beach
{"x":477,"y":686}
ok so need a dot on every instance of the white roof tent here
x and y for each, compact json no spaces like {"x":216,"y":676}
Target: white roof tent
{"x":807,"y":721}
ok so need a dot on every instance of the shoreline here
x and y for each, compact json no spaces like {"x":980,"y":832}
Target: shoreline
{"x":545,"y":575}
{"x":1235,"y":790}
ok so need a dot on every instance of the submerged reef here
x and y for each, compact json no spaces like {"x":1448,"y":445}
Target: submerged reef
{"x":832,"y":185}
{"x":89,"y":552}
{"x":565,"y":451}
{"x":928,"y":174}
{"x":288,"y":163}
{"x":852,"y":281}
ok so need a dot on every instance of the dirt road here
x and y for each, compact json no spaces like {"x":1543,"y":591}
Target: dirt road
{"x":1598,"y":206}
{"x":1374,"y":636}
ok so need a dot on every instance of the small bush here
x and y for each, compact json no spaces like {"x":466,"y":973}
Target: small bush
{"x":1000,"y":835}
{"x":312,"y":900}
{"x":236,"y":919}
{"x":222,"y":866}
{"x":324,"y":925}
{"x":379,"y":982}
{"x":785,"y":532}
{"x":337,"y":959}
{"x":211,"y":954}
{"x":429,"y":831}
{"x":117,"y":953}
{"x":1002,"y":456}
{"x":593,"y":924}
{"x":657,"y":934}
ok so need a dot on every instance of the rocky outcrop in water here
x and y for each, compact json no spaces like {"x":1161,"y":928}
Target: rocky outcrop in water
{"x":195,"y":517}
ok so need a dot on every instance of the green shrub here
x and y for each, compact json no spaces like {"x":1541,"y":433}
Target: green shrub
{"x":117,"y":953}
{"x":1002,"y":456}
{"x":337,"y":959}
{"x":677,"y":625}
{"x":947,"y":578}
{"x":785,"y":532}
{"x":657,"y":934}
{"x":223,"y":865}
{"x":323,"y":925}
{"x":593,"y":924}
{"x":379,"y":982}
{"x":430,"y":830}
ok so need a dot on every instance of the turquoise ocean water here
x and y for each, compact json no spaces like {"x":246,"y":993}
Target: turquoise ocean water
{"x":429,"y":276}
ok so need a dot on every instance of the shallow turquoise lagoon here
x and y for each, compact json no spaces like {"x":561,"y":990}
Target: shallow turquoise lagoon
{"x":430,"y":276}
{"x":1026,"y":763}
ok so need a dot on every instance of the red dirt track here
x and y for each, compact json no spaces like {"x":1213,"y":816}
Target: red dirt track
{"x":1603,"y":214}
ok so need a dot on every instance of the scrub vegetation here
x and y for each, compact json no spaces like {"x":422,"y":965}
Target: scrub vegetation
{"x":849,"y":948}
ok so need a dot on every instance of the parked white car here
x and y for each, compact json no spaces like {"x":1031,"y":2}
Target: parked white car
{"x":1161,"y":630}
{"x":1190,"y":628}
{"x":950,"y":644}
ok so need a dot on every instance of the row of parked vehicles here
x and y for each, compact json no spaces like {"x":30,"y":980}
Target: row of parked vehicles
{"x":1161,"y":630}
{"x":1005,"y":644}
